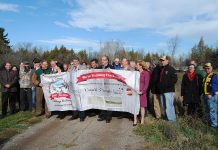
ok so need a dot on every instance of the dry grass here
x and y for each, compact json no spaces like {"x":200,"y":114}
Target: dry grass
{"x":186,"y":133}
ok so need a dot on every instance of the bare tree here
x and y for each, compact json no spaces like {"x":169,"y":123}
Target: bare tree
{"x":172,"y":45}
{"x":110,"y":48}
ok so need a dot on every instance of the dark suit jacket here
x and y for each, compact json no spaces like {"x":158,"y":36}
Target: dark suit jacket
{"x":106,"y":67}
{"x":9,"y":77}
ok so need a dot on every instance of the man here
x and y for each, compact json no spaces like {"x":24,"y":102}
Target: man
{"x":210,"y":83}
{"x":53,"y":67}
{"x":94,"y":63}
{"x":132,"y":66}
{"x":155,"y":76}
{"x":36,"y":66}
{"x":75,"y":66}
{"x":116,"y":64}
{"x":8,"y":80}
{"x":125,"y":64}
{"x":41,"y":105}
{"x":105,"y":114}
{"x":167,"y":81}
{"x":25,"y":81}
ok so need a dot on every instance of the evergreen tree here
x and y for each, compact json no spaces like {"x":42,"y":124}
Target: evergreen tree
{"x":4,"y":42}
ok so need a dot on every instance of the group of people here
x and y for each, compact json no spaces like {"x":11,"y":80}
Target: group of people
{"x":159,"y":81}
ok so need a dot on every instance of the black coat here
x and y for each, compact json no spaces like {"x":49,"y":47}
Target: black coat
{"x":191,"y":90}
{"x":155,"y":78}
{"x":12,"y":80}
{"x":106,"y":67}
{"x":168,"y":79}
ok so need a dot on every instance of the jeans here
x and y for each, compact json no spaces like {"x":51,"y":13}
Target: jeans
{"x":212,"y":110}
{"x":34,"y":97}
{"x":167,"y":102}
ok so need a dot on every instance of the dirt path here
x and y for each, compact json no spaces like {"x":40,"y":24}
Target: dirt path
{"x":89,"y":135}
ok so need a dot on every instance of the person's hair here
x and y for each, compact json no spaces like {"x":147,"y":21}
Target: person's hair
{"x":44,"y":61}
{"x":36,"y":60}
{"x":76,"y":58}
{"x":54,"y":61}
{"x":145,"y":65}
{"x":116,"y":58}
{"x":95,"y":60}
{"x":126,"y":59}
{"x":60,"y":65}
{"x":84,"y":63}
{"x":106,"y":58}
{"x":7,"y":62}
{"x":193,"y":62}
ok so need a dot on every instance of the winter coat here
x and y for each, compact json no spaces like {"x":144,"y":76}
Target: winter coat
{"x":191,"y":90}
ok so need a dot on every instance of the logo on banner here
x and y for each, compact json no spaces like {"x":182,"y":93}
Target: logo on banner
{"x":129,"y":91}
{"x":59,"y":89}
{"x":100,"y":75}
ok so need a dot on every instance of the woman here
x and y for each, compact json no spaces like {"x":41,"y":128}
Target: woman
{"x":191,"y":90}
{"x":143,"y":68}
{"x":59,"y":68}
{"x":17,"y":98}
{"x":66,"y":67}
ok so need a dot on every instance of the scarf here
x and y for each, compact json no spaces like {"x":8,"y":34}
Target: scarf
{"x":191,"y":75}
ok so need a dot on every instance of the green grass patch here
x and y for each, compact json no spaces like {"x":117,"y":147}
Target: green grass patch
{"x":186,"y":133}
{"x":14,"y":124}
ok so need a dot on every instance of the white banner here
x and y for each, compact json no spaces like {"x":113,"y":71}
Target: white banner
{"x":106,"y":89}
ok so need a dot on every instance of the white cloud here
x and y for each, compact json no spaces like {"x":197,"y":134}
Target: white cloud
{"x":8,"y":7}
{"x":72,"y":41}
{"x":61,"y":24}
{"x":169,"y":17}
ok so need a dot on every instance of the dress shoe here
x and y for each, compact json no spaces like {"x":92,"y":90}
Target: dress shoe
{"x":82,"y":119}
{"x":101,"y":119}
{"x":91,"y":114}
{"x":73,"y":118}
{"x":39,"y":114}
{"x":47,"y":116}
{"x":134,"y":124}
{"x":108,"y":121}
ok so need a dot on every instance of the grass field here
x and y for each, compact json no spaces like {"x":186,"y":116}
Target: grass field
{"x":187,"y":133}
{"x":14,"y":124}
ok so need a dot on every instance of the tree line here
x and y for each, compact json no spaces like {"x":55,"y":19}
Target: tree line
{"x":26,"y":52}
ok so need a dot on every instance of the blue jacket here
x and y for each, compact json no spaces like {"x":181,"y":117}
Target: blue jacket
{"x":214,"y":85}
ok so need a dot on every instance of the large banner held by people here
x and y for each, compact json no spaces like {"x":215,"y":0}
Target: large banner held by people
{"x":105,"y":89}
